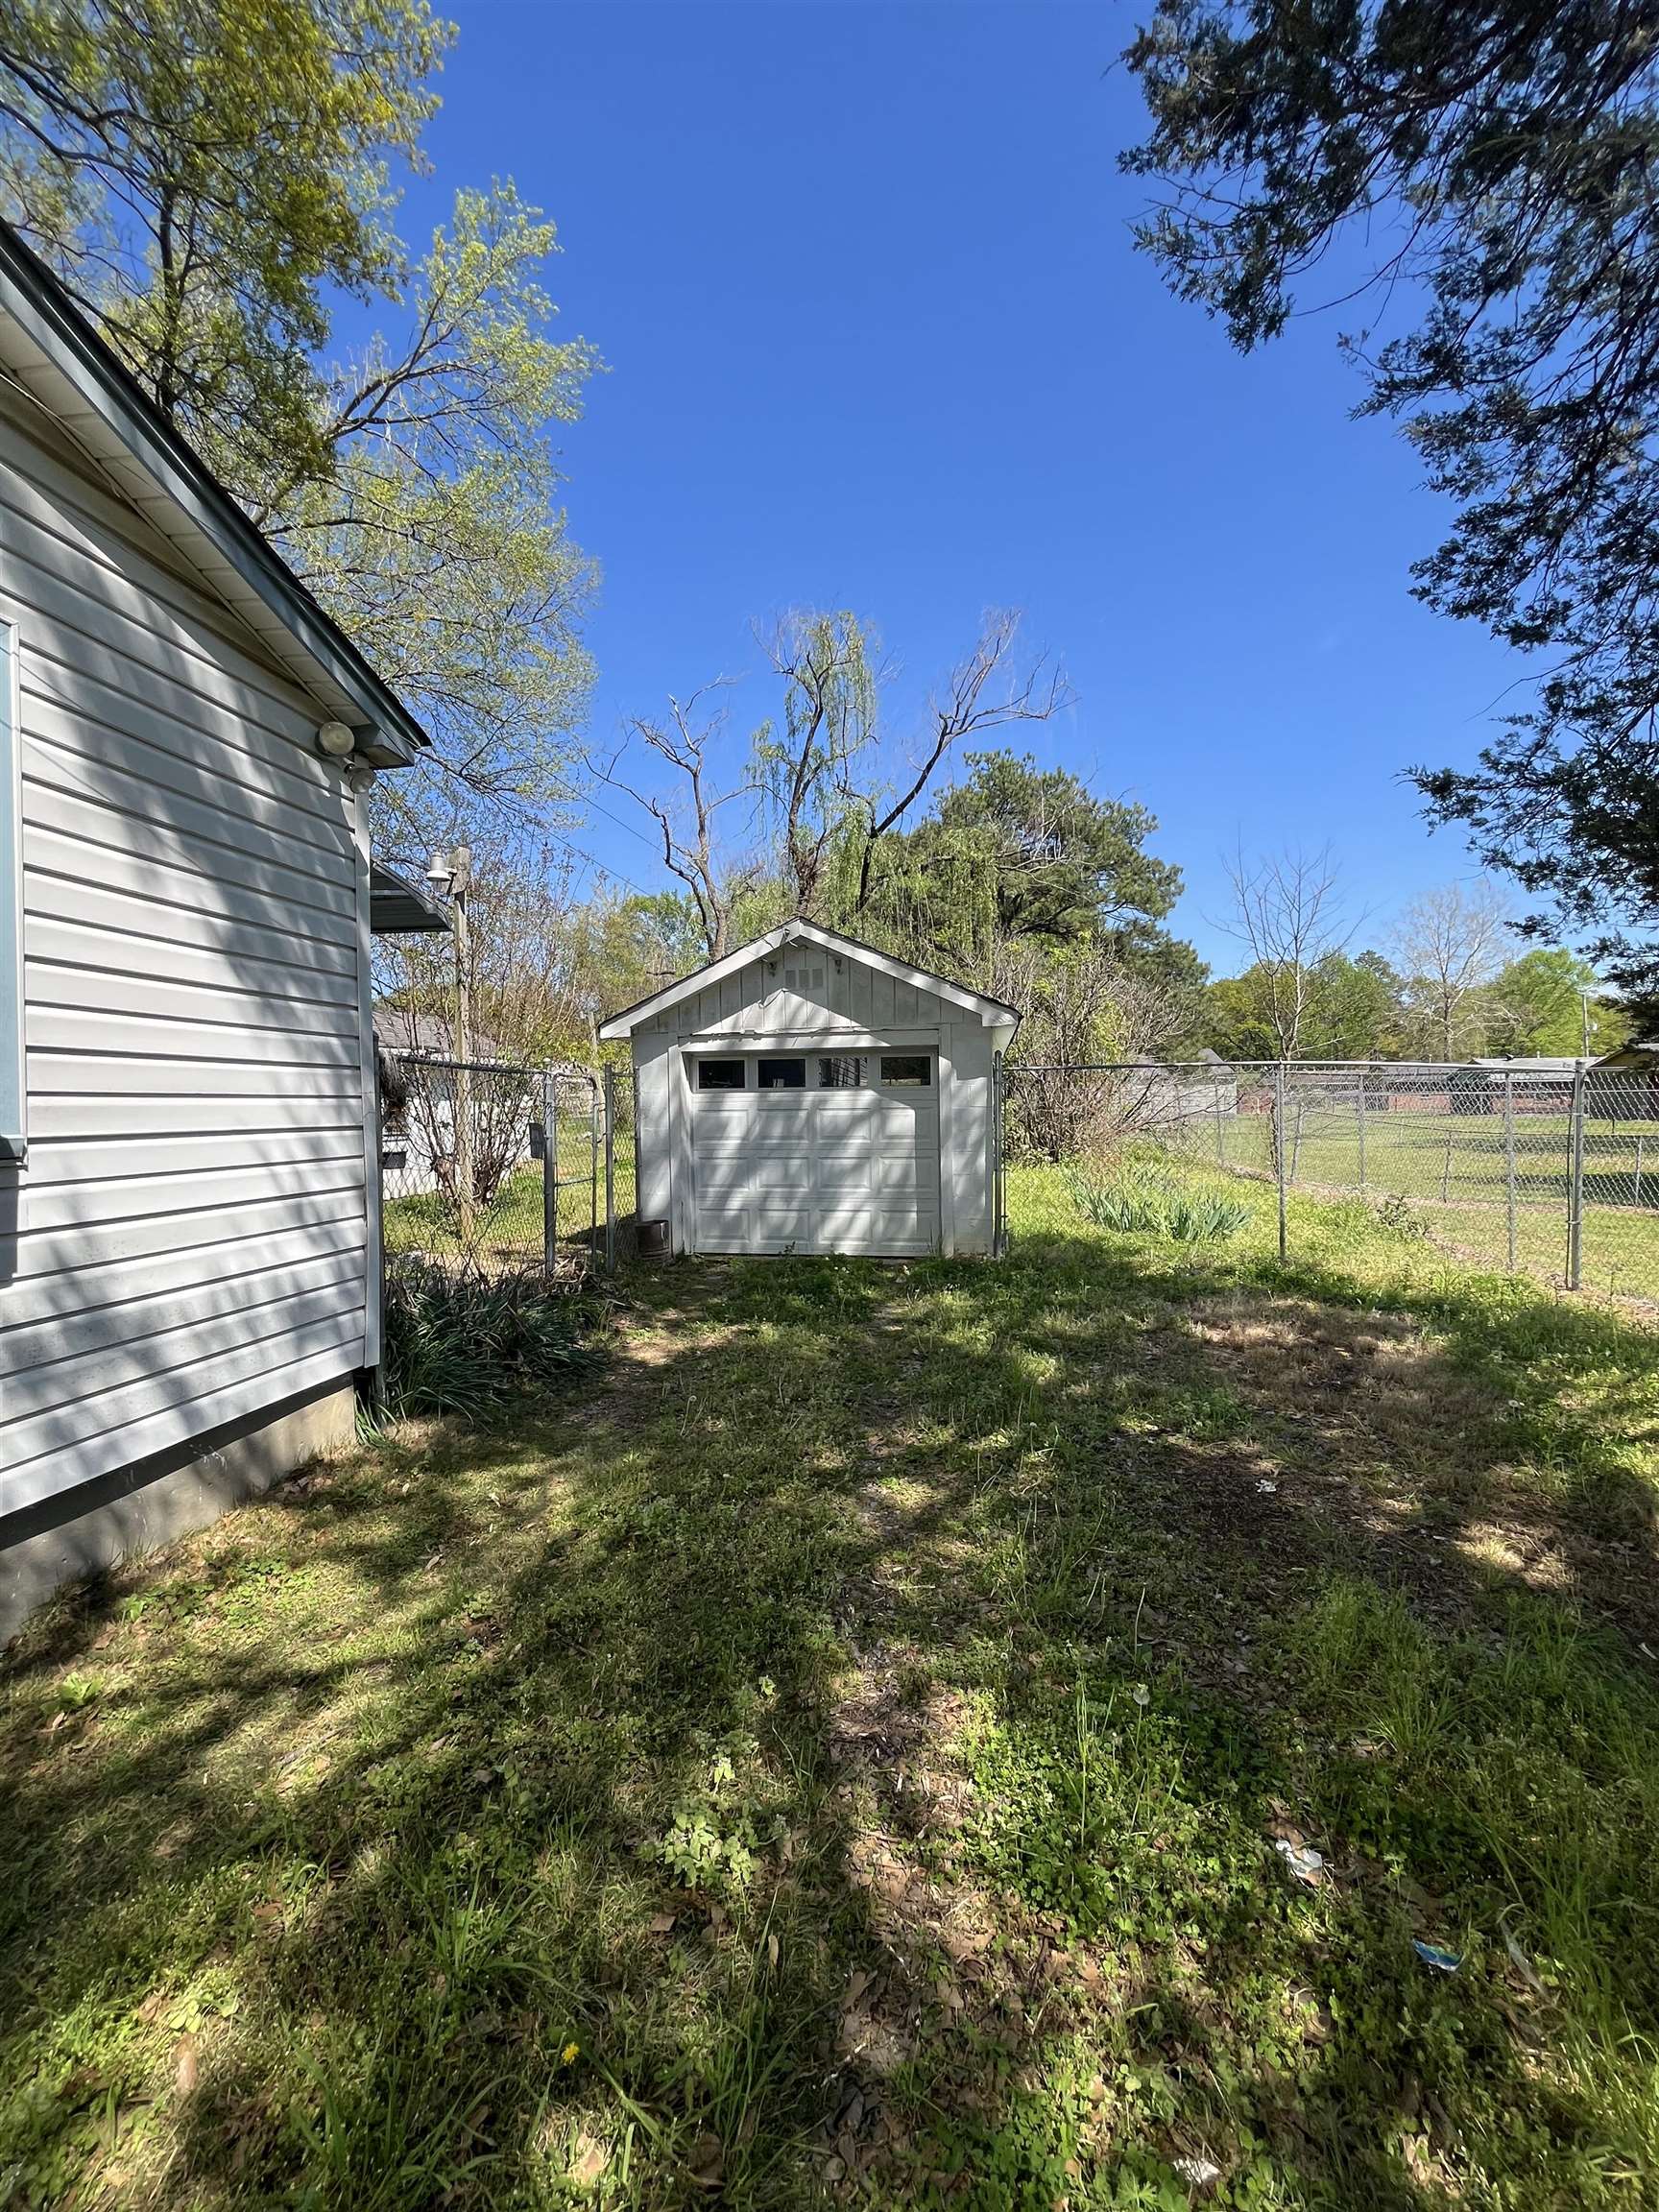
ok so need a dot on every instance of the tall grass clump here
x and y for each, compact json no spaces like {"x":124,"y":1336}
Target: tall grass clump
{"x":468,"y":1344}
{"x":1129,"y":1195}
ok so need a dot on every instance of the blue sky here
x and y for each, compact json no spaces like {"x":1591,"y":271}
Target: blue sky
{"x":877,"y":337}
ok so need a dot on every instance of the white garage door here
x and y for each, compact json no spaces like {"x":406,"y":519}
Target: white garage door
{"x":822,"y":1152}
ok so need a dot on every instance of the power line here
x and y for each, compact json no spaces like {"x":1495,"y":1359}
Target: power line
{"x":603,"y":867}
{"x":651,"y":842}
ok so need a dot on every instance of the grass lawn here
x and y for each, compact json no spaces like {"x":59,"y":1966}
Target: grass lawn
{"x":1455,"y":1167}
{"x":861,"y":1751}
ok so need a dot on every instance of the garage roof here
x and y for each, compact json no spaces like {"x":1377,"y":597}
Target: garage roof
{"x":993,"y":1013}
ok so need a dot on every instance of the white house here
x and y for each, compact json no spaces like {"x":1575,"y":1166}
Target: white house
{"x":806,"y":1092}
{"x":188,"y":1187}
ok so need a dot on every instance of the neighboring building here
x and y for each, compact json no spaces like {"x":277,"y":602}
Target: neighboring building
{"x":1626,"y":1081}
{"x":809,"y":1093}
{"x":429,"y":1036}
{"x":188,"y":1186}
{"x":1640,"y":1057}
{"x":1204,"y":1088}
{"x":418,"y":1103}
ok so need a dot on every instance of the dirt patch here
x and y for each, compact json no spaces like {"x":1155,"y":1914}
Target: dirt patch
{"x":1382,"y":1441}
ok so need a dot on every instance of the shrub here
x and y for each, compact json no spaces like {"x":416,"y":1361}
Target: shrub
{"x":457,"y":1343}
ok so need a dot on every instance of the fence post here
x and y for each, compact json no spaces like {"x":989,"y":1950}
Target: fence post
{"x":1220,"y":1130}
{"x":1576,"y":1184}
{"x":377,"y":1285}
{"x":549,"y":1171}
{"x":1279,"y":1149}
{"x":1509,"y":1162}
{"x":1363,"y":1073}
{"x":609,"y":1093}
{"x":592,"y":1173}
{"x":1638,"y":1198}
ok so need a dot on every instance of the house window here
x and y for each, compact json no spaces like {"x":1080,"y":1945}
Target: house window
{"x":906,"y":1071}
{"x":841,"y":1071}
{"x":12,"y":1119}
{"x":720,"y":1075}
{"x":783,"y":1074}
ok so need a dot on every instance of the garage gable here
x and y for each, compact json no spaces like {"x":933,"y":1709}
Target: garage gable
{"x":806,"y":990}
{"x":803,"y":980}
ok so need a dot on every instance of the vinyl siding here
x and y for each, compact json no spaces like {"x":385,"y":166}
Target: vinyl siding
{"x":849,"y":996}
{"x":191,"y":1239}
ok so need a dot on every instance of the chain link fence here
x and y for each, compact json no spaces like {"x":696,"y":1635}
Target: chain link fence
{"x":1552,"y":1172}
{"x":620,"y":1106}
{"x":489,"y":1168}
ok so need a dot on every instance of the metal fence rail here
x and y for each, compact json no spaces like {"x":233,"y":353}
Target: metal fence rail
{"x":1549,"y":1172}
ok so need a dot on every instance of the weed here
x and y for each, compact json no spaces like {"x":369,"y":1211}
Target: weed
{"x":466,"y":1343}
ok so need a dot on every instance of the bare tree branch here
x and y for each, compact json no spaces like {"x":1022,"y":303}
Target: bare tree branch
{"x":687,"y":824}
{"x":1287,"y":909}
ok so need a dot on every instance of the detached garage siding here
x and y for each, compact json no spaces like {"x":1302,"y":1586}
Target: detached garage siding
{"x":820,"y":1003}
{"x":192,"y":1224}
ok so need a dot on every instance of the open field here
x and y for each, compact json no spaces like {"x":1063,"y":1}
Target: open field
{"x":851,"y":1757}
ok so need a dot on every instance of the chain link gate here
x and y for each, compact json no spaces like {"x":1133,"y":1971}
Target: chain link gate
{"x":488,"y":1168}
{"x":620,"y":1195}
{"x":1552,"y":1172}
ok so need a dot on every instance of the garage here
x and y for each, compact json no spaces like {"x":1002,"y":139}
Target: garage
{"x":810,"y":1093}
{"x":824,"y":1152}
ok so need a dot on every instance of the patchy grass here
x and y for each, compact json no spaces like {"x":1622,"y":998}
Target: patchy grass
{"x":845,"y":1758}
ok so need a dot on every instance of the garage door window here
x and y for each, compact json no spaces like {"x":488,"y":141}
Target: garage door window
{"x":720,"y":1075}
{"x":906,"y":1071}
{"x":783,"y":1074}
{"x":841,"y":1071}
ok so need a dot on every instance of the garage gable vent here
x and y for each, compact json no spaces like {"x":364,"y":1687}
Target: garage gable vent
{"x":801,"y":980}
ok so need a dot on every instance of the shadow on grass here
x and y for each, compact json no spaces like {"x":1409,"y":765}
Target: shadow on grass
{"x":848,"y":1753}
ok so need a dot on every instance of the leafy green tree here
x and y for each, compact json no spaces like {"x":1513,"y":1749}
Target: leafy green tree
{"x":1358,"y":1011}
{"x":1539,"y":1007}
{"x":198,"y":174}
{"x":1353,"y":1011}
{"x":1014,"y":852}
{"x":1494,"y":170}
{"x":205,"y":177}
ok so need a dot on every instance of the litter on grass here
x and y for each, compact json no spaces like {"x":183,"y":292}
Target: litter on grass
{"x":1431,"y":1955}
{"x":1267,"y":1489}
{"x":1303,"y":1861}
{"x":1199,"y":2172}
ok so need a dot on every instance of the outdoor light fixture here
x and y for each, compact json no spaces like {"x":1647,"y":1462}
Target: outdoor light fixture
{"x":337,"y":741}
{"x":450,"y":873}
